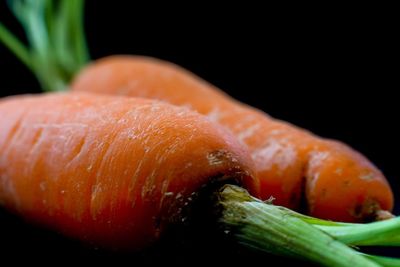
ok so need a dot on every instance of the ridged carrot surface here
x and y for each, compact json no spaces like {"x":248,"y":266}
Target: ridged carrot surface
{"x":293,"y":165}
{"x":110,"y":170}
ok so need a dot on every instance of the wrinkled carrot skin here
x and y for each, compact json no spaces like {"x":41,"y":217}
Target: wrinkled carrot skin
{"x":342,"y":179}
{"x":338,"y":183}
{"x":112,"y":171}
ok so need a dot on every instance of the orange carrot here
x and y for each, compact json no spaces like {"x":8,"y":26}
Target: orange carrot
{"x":110,"y":171}
{"x":117,"y":172}
{"x":338,"y":183}
{"x":294,"y":166}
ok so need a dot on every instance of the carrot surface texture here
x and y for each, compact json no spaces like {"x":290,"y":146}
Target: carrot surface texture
{"x":336,"y":182}
{"x":110,"y":170}
{"x":326,"y":178}
{"x":116,"y":172}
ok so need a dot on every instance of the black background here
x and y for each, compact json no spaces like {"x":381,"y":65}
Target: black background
{"x":334,"y":73}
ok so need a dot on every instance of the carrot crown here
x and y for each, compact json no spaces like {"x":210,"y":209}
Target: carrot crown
{"x":56,"y":47}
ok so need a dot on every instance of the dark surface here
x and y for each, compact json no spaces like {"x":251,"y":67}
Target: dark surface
{"x":332,"y":74}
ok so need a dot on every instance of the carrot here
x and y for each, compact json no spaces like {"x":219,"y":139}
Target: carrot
{"x":117,"y":172}
{"x":338,"y":183}
{"x":106,"y":170}
{"x":300,"y":170}
{"x":113,"y":172}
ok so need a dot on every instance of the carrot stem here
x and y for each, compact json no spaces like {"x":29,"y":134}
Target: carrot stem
{"x":56,"y":47}
{"x":265,"y":227}
{"x":382,"y":233}
{"x":15,"y":45}
{"x":384,"y":261}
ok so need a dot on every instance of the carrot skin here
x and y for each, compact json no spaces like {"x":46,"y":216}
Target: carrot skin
{"x":284,"y":154}
{"x":111,"y":171}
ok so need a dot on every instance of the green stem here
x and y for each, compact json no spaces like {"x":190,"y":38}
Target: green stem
{"x":268,"y":228}
{"x":56,"y":44}
{"x":382,"y":233}
{"x":15,"y":45}
{"x":384,"y":261}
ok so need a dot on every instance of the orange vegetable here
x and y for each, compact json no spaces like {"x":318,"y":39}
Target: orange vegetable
{"x":292,"y":164}
{"x":117,"y":172}
{"x":326,"y":178}
{"x":112,"y":171}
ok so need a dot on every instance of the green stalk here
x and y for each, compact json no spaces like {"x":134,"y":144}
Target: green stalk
{"x":383,"y":233}
{"x":15,"y":45}
{"x":384,"y":261}
{"x":268,"y":228}
{"x":56,"y":48}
